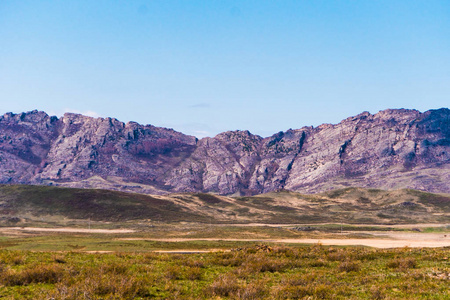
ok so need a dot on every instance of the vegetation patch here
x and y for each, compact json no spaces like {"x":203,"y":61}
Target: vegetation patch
{"x":255,"y":272}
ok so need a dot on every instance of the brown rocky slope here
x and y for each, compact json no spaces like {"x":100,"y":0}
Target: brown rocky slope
{"x":392,"y":149}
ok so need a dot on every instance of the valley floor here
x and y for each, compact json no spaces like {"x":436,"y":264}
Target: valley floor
{"x":207,"y":261}
{"x":170,"y":237}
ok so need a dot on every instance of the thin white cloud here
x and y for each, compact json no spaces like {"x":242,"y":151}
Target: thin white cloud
{"x":201,"y":133}
{"x":89,"y":113}
{"x":199,"y":130}
{"x":200,"y":105}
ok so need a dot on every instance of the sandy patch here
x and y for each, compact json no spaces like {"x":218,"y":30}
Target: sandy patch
{"x":403,"y":226}
{"x":381,"y":240}
{"x":185,"y":251}
{"x":66,"y":229}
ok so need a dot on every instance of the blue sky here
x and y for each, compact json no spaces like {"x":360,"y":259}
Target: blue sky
{"x":203,"y":67}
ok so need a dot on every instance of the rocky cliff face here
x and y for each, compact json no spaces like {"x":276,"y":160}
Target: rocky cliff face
{"x":391,"y":149}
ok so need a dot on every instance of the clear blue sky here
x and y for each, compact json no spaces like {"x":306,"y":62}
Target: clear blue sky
{"x":203,"y":67}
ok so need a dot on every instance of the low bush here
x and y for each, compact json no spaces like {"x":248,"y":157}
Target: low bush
{"x":253,"y":291}
{"x":193,"y":273}
{"x":349,"y":266}
{"x":402,"y":263}
{"x":173,"y":273}
{"x":223,"y":286}
{"x":33,"y":274}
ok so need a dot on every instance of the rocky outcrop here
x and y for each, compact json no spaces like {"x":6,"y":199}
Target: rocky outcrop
{"x":390,"y":149}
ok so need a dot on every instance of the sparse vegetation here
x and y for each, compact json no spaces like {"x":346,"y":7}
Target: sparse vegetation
{"x":257,"y":272}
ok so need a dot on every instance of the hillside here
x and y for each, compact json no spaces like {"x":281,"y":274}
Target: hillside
{"x":21,"y":204}
{"x":393,"y":149}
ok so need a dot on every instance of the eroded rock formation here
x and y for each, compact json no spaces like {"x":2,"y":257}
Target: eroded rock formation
{"x":391,"y":149}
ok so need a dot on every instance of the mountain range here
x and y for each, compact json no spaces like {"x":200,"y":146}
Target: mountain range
{"x":392,"y":149}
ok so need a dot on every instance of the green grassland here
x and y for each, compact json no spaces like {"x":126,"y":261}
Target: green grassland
{"x":252,"y":272}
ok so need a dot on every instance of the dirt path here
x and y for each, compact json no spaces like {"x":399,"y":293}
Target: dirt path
{"x":389,"y":239}
{"x":380,"y":240}
{"x":189,"y":251}
{"x":419,"y":225}
{"x":65,"y":229}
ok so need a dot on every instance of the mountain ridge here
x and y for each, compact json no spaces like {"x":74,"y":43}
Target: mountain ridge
{"x":394,"y":148}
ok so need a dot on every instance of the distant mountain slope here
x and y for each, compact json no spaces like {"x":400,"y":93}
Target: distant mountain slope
{"x":21,"y":204}
{"x":390,"y":150}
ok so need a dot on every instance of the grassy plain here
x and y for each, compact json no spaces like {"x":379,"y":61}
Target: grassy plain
{"x":56,"y":265}
{"x":250,"y":272}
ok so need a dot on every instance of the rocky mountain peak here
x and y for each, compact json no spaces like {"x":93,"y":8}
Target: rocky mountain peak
{"x":394,"y":148}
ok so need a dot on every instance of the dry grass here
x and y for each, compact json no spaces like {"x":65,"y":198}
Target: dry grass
{"x":257,"y":272}
{"x":402,"y":263}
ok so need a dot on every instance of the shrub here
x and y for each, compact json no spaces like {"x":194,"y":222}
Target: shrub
{"x":322,"y":291}
{"x":300,"y":279}
{"x":402,"y":263}
{"x":224,"y":286}
{"x":12,"y":258}
{"x":103,"y":286}
{"x":349,"y":266}
{"x":376,"y":293}
{"x":291,"y":292}
{"x":193,"y":263}
{"x":194,"y":273}
{"x":60,"y":260}
{"x":286,"y":251}
{"x":173,"y":273}
{"x":337,"y":256}
{"x":253,"y":291}
{"x":116,"y":268}
{"x":34,"y":274}
{"x":317,"y":263}
{"x":231,"y":259}
{"x":262,"y":263}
